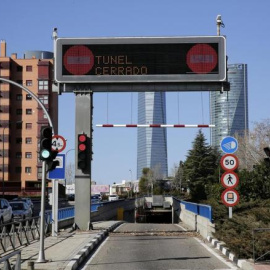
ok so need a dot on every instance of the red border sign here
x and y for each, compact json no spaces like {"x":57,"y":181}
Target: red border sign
{"x":225,"y":181}
{"x":230,"y":197}
{"x":61,"y":145}
{"x":226,"y":166}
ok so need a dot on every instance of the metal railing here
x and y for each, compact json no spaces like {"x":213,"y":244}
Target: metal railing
{"x":261,"y":244}
{"x":18,"y":233}
{"x":7,"y":264}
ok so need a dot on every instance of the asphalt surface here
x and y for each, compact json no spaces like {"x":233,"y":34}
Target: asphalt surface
{"x":154,"y":246}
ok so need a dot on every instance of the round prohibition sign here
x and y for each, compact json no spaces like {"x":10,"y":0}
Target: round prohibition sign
{"x":229,"y":162}
{"x":58,"y":143}
{"x":230,"y":197}
{"x":229,"y":179}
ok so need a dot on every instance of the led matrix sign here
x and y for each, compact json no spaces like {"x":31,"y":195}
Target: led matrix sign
{"x":141,"y":59}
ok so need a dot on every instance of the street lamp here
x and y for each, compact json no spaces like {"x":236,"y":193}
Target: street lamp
{"x":3,"y":156}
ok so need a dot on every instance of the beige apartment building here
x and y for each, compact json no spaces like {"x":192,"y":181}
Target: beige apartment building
{"x":21,"y":119}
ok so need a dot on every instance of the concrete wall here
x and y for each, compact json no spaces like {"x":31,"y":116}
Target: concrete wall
{"x":196,"y":222}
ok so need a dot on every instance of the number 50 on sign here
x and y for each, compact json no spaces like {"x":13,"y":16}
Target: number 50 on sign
{"x":229,"y":162}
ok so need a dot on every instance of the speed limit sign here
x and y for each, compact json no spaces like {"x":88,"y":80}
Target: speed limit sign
{"x":229,"y":162}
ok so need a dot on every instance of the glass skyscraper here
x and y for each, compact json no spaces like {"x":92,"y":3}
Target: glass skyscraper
{"x":152,"y":142}
{"x":229,"y":111}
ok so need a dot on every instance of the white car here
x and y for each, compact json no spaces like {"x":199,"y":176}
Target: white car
{"x":113,"y":197}
{"x":6,"y":214}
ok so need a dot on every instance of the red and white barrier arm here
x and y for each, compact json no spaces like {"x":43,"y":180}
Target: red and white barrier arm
{"x":154,"y":126}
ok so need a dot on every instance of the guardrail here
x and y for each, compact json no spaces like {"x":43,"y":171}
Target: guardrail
{"x":19,"y":233}
{"x":198,"y":209}
{"x":7,"y":265}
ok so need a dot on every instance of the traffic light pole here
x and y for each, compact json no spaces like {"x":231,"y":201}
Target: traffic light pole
{"x":41,"y":255}
{"x":84,"y":112}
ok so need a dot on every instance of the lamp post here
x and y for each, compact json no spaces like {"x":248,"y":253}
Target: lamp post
{"x":3,"y":156}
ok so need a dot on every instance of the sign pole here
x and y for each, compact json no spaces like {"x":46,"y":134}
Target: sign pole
{"x":55,"y":208}
{"x":230,"y":212}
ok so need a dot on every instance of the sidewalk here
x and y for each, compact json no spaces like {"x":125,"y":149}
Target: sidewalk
{"x":67,"y":250}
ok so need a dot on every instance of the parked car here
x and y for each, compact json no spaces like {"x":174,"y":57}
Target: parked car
{"x":6,"y":214}
{"x":21,"y":210}
{"x":95,"y":198}
{"x":113,"y":197}
{"x":26,"y":200}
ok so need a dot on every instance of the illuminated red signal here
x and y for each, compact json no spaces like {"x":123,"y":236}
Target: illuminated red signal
{"x":82,"y":151}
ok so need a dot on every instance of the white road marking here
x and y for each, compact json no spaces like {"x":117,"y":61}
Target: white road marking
{"x":94,"y":254}
{"x":217,"y":255}
{"x":181,"y":227}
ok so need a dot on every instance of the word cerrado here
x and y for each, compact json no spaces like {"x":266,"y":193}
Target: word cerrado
{"x":117,"y":65}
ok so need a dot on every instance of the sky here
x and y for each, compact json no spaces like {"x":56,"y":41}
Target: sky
{"x":27,"y":25}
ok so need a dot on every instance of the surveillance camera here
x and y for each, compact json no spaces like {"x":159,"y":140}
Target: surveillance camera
{"x":219,"y":19}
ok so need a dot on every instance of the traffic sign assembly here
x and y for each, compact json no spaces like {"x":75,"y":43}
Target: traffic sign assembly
{"x":229,"y":179}
{"x":229,"y":162}
{"x":230,"y":197}
{"x":229,"y":145}
{"x":148,"y":59}
{"x":58,"y":143}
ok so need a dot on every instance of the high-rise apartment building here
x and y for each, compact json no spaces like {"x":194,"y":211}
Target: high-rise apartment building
{"x":21,"y":118}
{"x":152,"y":142}
{"x":229,"y":111}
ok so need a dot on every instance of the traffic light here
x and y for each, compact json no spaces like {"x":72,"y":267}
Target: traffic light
{"x":83,"y":152}
{"x":267,"y":152}
{"x":52,"y":163}
{"x":46,"y":143}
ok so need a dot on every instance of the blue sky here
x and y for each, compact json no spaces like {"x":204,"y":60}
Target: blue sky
{"x":27,"y":25}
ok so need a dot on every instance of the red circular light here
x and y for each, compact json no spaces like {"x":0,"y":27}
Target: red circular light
{"x":202,"y":58}
{"x":82,"y":147}
{"x":82,"y":138}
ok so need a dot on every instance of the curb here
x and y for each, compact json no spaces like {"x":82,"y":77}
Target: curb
{"x":83,"y":253}
{"x":242,"y":264}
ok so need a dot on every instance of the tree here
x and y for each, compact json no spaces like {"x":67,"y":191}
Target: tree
{"x":143,"y":182}
{"x":200,"y":168}
{"x":70,"y":173}
{"x":250,"y":145}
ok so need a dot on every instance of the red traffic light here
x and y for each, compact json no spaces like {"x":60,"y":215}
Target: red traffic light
{"x":82,"y":138}
{"x":82,"y":160}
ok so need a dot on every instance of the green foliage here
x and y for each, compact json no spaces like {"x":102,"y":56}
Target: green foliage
{"x":200,"y":168}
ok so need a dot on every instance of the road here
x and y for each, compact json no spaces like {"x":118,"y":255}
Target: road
{"x":154,"y":246}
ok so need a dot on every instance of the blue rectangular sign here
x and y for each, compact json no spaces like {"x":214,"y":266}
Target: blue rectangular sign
{"x":59,"y":171}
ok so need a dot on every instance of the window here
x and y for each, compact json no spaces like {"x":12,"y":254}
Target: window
{"x":28,"y":68}
{"x":19,"y":125}
{"x":18,"y":140}
{"x":28,"y":97}
{"x":28,"y":155}
{"x":19,"y":111}
{"x":19,"y":97}
{"x":18,"y":169}
{"x":44,"y":99}
{"x":18,"y":154}
{"x":43,"y":85}
{"x":28,"y":169}
{"x":28,"y":111}
{"x":28,"y":125}
{"x":29,"y":82}
{"x":28,"y":140}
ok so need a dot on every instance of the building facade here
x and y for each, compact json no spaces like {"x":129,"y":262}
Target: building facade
{"x":229,"y":111}
{"x":152,"y":142}
{"x":21,"y":118}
